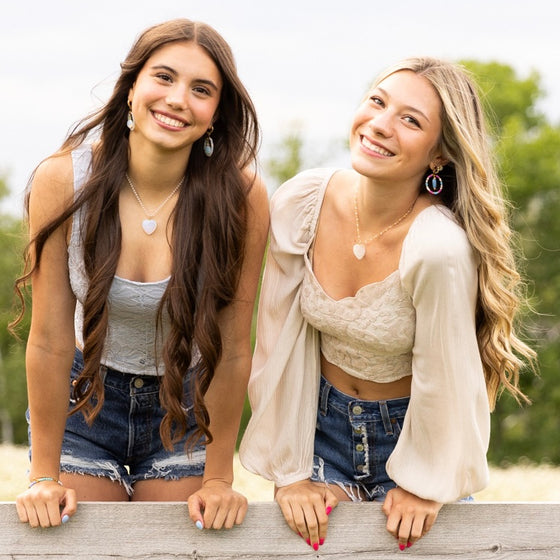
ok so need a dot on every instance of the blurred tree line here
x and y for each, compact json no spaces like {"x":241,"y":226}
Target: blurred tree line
{"x":527,"y":149}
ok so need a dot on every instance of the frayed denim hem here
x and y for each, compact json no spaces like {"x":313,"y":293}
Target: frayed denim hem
{"x":100,"y":469}
{"x":355,"y":491}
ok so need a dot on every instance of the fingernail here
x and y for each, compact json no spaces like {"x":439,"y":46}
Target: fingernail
{"x":300,"y":534}
{"x":408,"y":544}
{"x":308,"y":541}
{"x":315,"y":546}
{"x":401,"y":546}
{"x":321,"y":542}
{"x":199,"y":525}
{"x":65,"y":518}
{"x":328,"y":510}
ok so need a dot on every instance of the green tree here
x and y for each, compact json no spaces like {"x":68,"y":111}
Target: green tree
{"x":528,"y":155}
{"x":13,"y":396}
{"x":288,"y":158}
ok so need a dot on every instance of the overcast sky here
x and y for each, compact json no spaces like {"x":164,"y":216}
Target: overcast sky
{"x":305,"y":63}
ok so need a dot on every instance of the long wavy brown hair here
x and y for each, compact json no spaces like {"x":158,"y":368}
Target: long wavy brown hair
{"x":207,"y":243}
{"x":473,"y":191}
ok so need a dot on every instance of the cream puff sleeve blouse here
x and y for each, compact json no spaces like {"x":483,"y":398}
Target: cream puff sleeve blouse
{"x":441,"y":452}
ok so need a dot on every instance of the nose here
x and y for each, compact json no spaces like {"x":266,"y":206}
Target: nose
{"x":177,"y":96}
{"x":382,"y":123}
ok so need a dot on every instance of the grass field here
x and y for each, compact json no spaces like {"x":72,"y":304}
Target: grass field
{"x":515,"y":484}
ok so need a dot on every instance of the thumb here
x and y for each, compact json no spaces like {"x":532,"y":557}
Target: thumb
{"x":70,"y":505}
{"x":388,"y":503}
{"x":331,"y":501}
{"x":196,"y":505}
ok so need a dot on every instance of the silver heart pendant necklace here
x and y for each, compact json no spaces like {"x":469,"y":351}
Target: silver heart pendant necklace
{"x":149,"y":225}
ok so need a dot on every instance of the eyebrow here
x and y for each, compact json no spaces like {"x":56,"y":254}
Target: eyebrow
{"x":406,"y":107}
{"x":209,"y":83}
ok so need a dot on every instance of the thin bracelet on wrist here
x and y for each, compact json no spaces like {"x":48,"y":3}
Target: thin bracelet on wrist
{"x":43,"y":479}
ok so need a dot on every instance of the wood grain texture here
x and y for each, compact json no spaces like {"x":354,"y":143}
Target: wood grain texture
{"x":162,"y":531}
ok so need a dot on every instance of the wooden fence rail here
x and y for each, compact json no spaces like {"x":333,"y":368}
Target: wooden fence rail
{"x":162,"y":531}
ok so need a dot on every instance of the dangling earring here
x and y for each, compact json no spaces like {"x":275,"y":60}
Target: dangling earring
{"x":130,"y":120}
{"x":434,"y":184}
{"x":208,"y":143}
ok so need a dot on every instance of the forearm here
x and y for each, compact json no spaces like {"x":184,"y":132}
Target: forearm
{"x":48,"y":393}
{"x":225,"y":399}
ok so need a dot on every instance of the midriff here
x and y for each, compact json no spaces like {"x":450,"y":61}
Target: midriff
{"x":363,"y":389}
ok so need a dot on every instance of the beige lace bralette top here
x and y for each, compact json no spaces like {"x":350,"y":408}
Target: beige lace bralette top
{"x":369,"y":335}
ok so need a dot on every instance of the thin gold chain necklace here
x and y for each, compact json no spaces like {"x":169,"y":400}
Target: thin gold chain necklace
{"x":149,"y":225}
{"x":359,"y":246}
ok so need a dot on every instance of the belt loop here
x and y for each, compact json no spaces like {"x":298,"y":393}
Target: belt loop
{"x":103,"y":373}
{"x":386,"y":418}
{"x":324,"y":396}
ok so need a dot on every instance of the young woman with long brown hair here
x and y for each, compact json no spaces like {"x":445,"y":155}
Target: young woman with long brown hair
{"x":147,"y":230}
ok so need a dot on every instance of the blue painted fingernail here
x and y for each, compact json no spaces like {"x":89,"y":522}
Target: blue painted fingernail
{"x":65,"y":518}
{"x":199,"y":525}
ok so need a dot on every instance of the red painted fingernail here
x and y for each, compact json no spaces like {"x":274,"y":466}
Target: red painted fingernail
{"x":321,"y":542}
{"x":316,"y":546}
{"x":328,"y":510}
{"x":308,"y":541}
{"x":401,"y":546}
{"x":300,"y":534}
{"x":408,"y":544}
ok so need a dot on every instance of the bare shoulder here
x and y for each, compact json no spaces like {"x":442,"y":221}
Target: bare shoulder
{"x":338,"y":192}
{"x":52,"y":187}
{"x":257,"y":195}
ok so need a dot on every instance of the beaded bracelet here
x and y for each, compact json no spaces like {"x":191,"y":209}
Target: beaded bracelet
{"x":44,"y":479}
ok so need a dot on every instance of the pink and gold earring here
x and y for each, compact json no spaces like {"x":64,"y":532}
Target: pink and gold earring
{"x":434,"y":184}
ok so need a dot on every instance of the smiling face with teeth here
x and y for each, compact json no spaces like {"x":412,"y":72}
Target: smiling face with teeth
{"x":396,"y":131}
{"x":175,"y":97}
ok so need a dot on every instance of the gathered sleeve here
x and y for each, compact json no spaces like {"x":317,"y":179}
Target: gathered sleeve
{"x":441,"y":451}
{"x":283,"y":388}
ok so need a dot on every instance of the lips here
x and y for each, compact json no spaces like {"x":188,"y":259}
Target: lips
{"x":164,"y":119}
{"x":375,"y":148}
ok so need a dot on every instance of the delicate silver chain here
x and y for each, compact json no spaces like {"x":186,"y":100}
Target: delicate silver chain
{"x":152,"y":214}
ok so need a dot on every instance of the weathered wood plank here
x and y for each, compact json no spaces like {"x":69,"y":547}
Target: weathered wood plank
{"x":162,"y":531}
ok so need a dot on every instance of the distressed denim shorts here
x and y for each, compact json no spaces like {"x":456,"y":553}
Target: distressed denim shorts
{"x":353,"y":441}
{"x":123,"y":443}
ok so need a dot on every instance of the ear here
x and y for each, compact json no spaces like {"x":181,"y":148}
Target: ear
{"x":438,"y":161}
{"x":130,"y":94}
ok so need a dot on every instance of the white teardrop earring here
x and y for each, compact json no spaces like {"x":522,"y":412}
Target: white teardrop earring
{"x":130,"y":119}
{"x":208,"y":146}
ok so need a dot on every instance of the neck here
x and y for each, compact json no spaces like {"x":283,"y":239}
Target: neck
{"x":155,"y":170}
{"x":378,"y":202}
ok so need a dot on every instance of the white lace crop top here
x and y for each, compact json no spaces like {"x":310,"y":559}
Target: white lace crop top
{"x":369,"y":335}
{"x":130,"y":342}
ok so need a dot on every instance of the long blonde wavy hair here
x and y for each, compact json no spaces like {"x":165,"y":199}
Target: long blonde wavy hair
{"x":474,"y":193}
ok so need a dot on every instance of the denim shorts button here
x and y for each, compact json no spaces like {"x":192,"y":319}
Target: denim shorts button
{"x":359,"y":447}
{"x":358,"y":430}
{"x":139,"y":383}
{"x":357,"y":409}
{"x":360,"y":468}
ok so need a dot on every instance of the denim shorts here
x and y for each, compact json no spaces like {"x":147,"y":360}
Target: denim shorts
{"x":123,"y":443}
{"x":353,"y":441}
